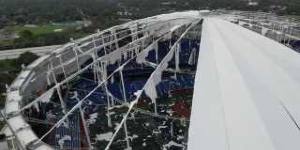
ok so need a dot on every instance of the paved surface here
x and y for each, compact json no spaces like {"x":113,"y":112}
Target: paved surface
{"x":14,"y":53}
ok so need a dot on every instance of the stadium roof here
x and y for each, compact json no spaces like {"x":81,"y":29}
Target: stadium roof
{"x":246,"y":92}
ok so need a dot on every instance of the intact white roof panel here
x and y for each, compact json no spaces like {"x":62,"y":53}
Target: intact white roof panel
{"x":17,"y":83}
{"x":17,"y":123}
{"x":11,"y":106}
{"x":5,"y":130}
{"x":24,"y":74}
{"x":37,"y":62}
{"x":12,"y":102}
{"x":44,"y":147}
{"x":26,"y":136}
{"x":247,"y":96}
{"x":14,"y":96}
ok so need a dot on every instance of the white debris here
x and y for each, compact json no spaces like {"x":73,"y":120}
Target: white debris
{"x":170,"y":112}
{"x":138,"y":92}
{"x":105,"y":136}
{"x":128,"y":148}
{"x":172,"y":143}
{"x":75,"y":96}
{"x":45,"y":98}
{"x":65,"y":124}
{"x":50,"y":115}
{"x":162,"y":127}
{"x":179,"y":137}
{"x":36,"y":105}
{"x":112,"y":79}
{"x":62,"y":141}
{"x":155,"y":131}
{"x":111,"y":113}
{"x":58,"y":30}
{"x":134,"y":136}
{"x":116,"y":126}
{"x":92,"y":118}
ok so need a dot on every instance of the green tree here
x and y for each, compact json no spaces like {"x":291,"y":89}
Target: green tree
{"x":26,"y":58}
{"x":26,"y":34}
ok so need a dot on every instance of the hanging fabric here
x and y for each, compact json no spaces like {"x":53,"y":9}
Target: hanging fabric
{"x":141,"y":58}
{"x":192,"y":58}
{"x":155,"y":79}
{"x":264,"y":31}
{"x":177,"y":52}
{"x":156,"y":51}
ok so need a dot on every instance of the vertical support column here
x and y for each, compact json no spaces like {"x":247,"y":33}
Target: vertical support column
{"x":282,"y":33}
{"x":95,"y":56}
{"x":273,"y":31}
{"x":172,"y":128}
{"x":104,"y":77}
{"x":58,"y":90}
{"x":13,"y":132}
{"x":115,"y":38}
{"x":134,"y":32}
{"x":123,"y":86}
{"x":86,"y":130}
{"x":48,"y":75}
{"x":126,"y":136}
{"x":285,"y":34}
{"x":76,"y":55}
{"x":75,"y":49}
{"x":62,"y":66}
{"x":177,"y":49}
{"x":13,"y":143}
{"x":112,"y":100}
{"x":99,"y":71}
{"x":155,"y":107}
{"x":156,"y":52}
{"x":94,"y":67}
{"x":102,"y":39}
{"x":94,"y":41}
{"x":125,"y":99}
{"x":108,"y":106}
{"x":291,"y":34}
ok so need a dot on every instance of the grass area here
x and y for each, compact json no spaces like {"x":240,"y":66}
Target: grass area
{"x":6,"y":43}
{"x":41,"y":35}
{"x":36,"y":30}
{"x":8,"y":65}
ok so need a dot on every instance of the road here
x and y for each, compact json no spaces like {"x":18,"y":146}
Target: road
{"x":15,"y":53}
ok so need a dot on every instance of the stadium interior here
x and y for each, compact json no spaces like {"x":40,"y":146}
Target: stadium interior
{"x":148,"y":126}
